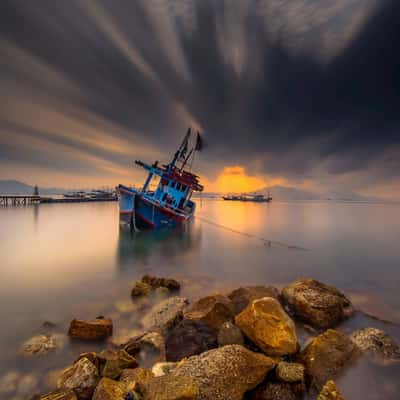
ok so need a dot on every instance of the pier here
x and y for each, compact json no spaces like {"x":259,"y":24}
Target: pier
{"x":19,"y":200}
{"x":25,"y":200}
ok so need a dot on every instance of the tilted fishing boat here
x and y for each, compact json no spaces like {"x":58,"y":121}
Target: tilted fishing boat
{"x":170,"y":203}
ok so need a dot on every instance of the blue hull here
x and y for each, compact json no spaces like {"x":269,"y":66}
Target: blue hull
{"x":142,"y":213}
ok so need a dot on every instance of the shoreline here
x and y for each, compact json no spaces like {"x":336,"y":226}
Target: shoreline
{"x":178,"y":336}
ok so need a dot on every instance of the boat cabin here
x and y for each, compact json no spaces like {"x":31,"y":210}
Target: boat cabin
{"x":175,"y":187}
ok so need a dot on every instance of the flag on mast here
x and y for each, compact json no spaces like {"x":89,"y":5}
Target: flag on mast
{"x":199,"y":142}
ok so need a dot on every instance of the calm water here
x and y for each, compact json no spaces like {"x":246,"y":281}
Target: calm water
{"x":62,"y":261}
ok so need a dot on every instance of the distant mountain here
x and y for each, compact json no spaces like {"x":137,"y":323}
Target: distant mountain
{"x":293,"y":194}
{"x":17,"y":187}
{"x":289,"y":193}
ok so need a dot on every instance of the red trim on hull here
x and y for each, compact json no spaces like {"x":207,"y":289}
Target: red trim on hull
{"x":148,"y":222}
{"x":170,"y":213}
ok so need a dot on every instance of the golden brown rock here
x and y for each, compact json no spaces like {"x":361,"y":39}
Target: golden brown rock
{"x":242,"y":296}
{"x":136,"y":379}
{"x":275,"y":391}
{"x":165,"y":315}
{"x":225,"y":373}
{"x":140,"y":289}
{"x":211,"y":310}
{"x":158,"y":282}
{"x":290,"y":372}
{"x":91,"y":356}
{"x":325,"y":356}
{"x":107,"y":389}
{"x":115,"y":362}
{"x":60,"y":395}
{"x":96,"y":329}
{"x":265,"y":323}
{"x":148,"y":347}
{"x":82,"y":377}
{"x":317,"y":304}
{"x":171,"y":387}
{"x":330,"y":392}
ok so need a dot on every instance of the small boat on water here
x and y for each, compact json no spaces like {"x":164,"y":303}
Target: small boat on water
{"x":75,"y":195}
{"x":257,"y":198}
{"x":170,"y":203}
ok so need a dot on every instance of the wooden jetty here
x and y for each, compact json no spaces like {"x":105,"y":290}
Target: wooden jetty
{"x":25,"y":200}
{"x":18,"y":200}
{"x":50,"y":200}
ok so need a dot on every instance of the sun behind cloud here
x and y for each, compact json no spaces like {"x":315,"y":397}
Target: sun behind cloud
{"x":234,"y":179}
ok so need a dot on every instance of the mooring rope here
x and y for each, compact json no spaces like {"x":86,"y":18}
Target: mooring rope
{"x":267,"y":242}
{"x":376,"y":318}
{"x":135,"y":228}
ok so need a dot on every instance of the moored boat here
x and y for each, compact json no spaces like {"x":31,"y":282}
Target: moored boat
{"x":170,"y":203}
{"x":257,"y":198}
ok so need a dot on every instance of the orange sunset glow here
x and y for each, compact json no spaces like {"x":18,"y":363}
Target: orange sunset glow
{"x":235,"y":179}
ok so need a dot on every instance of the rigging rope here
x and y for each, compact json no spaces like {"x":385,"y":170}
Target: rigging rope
{"x":250,"y":235}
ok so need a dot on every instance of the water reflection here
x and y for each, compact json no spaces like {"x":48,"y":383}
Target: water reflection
{"x":148,"y":247}
{"x":58,"y":262}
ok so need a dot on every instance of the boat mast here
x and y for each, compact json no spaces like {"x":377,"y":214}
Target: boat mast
{"x":181,"y":152}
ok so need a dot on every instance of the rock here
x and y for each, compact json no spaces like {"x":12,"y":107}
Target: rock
{"x":92,"y":357}
{"x":157,"y":282}
{"x":330,"y":392}
{"x":188,"y":338}
{"x":107,"y":389}
{"x":8,"y":382}
{"x":170,"y":387}
{"x":376,"y":342}
{"x":325,"y":356}
{"x":265,"y":323}
{"x":229,"y":334}
{"x":60,"y":395}
{"x":163,"y":368}
{"x":115,"y":362}
{"x":148,"y":347}
{"x":242,"y":296}
{"x":275,"y":391}
{"x":290,"y":372}
{"x":97,"y":329}
{"x":165,"y":315}
{"x":317,"y":304}
{"x":226,"y":372}
{"x":136,"y":379}
{"x":141,"y":289}
{"x":211,"y":310}
{"x":124,"y":335}
{"x":82,"y":377}
{"x":42,"y":344}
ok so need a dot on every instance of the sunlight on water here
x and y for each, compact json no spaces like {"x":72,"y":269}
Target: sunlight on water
{"x":63,"y":261}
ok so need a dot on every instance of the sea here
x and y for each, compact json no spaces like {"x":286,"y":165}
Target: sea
{"x":65,"y":261}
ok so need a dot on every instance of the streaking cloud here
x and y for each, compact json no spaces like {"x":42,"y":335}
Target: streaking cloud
{"x":299,"y":91}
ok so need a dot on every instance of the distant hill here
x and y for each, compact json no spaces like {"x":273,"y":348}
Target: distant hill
{"x":289,"y":193}
{"x":293,"y":194}
{"x":17,"y":187}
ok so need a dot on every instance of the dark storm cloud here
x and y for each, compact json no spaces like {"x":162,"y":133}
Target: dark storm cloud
{"x":259,"y":92}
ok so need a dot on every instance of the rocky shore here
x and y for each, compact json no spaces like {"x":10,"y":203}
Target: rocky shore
{"x":227,"y":346}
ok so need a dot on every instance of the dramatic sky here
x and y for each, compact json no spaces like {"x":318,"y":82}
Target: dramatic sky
{"x":300,"y":93}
